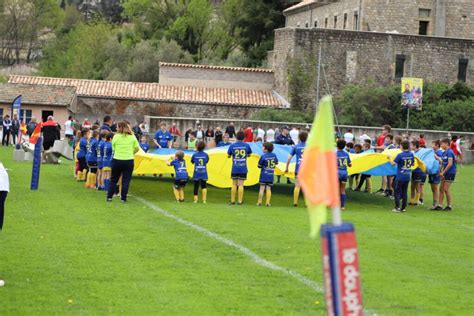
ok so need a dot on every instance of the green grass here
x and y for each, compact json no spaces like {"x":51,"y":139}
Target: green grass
{"x":64,"y":250}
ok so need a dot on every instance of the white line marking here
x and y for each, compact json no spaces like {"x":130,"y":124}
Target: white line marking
{"x":249,"y":253}
{"x":468,"y":227}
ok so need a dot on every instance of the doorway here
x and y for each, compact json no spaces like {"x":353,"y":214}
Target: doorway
{"x":45,"y":114}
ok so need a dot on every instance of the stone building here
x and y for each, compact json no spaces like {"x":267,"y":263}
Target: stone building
{"x":39,"y":101}
{"x":375,"y":40}
{"x":134,"y":100}
{"x":447,"y":18}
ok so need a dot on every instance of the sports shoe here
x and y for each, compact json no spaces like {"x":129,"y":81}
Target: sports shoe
{"x":380,"y":192}
{"x":420,"y":202}
{"x":433,"y":208}
{"x":295,"y":205}
{"x":181,"y":201}
{"x":448,"y":208}
{"x":439,"y":208}
{"x":204,"y":202}
{"x":403,"y":210}
{"x":240,"y":203}
{"x":109,"y":200}
{"x":259,"y":204}
{"x":123,"y":201}
{"x":268,"y":204}
{"x":231,"y":203}
{"x":396,"y":210}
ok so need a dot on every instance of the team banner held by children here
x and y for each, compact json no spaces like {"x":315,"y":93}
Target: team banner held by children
{"x":320,"y":180}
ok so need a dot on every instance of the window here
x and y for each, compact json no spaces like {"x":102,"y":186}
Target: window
{"x":462,"y":70}
{"x":26,"y":115}
{"x":316,"y":23}
{"x":345,"y":21}
{"x":298,"y":24}
{"x":423,"y":29}
{"x":399,"y":66}
{"x":45,"y":114}
{"x":424,"y":13}
{"x":335,"y":21}
{"x":1,"y":115}
{"x":326,"y":23}
{"x":356,"y":21}
{"x":306,"y":25}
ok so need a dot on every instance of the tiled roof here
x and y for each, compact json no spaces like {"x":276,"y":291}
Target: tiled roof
{"x":212,"y":67}
{"x":157,"y":92}
{"x":37,"y":94}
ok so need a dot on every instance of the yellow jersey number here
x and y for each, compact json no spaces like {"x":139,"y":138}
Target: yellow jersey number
{"x":240,"y":153}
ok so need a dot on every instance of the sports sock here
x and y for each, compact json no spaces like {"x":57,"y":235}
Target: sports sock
{"x":84,"y":175}
{"x":88,"y":180}
{"x":417,"y":197}
{"x":181,"y":194}
{"x":240,"y":191}
{"x":343,"y":200}
{"x":79,"y":176}
{"x":204,"y":195}
{"x":233,"y":191}
{"x":260,"y":198}
{"x":106,"y":184}
{"x":369,"y":185}
{"x":296,"y":195}
{"x":196,"y":198}
{"x":268,"y":196}
{"x":93,"y":181}
{"x":176,"y":194}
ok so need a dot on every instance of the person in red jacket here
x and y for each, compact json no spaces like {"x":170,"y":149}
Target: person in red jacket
{"x":381,"y":138}
{"x":248,"y":135}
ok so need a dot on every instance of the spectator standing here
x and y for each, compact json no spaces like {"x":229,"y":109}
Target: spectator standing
{"x":15,"y":128}
{"x":30,"y":127}
{"x":124,"y":147}
{"x":107,"y":124}
{"x":348,"y":136}
{"x":7,"y":130}
{"x":186,"y":135}
{"x":422,"y":141}
{"x":69,"y":128}
{"x":230,"y":130}
{"x":455,"y":146}
{"x":51,"y":132}
{"x":137,"y":131}
{"x":363,"y":137}
{"x":218,"y":135}
{"x":294,"y":135}
{"x":209,"y":134}
{"x":248,"y":135}
{"x":277,"y":132}
{"x":87,"y":124}
{"x":199,"y":133}
{"x":175,"y":132}
{"x":260,"y":134}
{"x":270,"y":135}
{"x":381,"y":138}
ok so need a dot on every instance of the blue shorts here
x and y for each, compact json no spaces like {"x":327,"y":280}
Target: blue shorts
{"x":239,"y":176}
{"x":342,"y":176}
{"x":449,"y":177}
{"x":100,"y":163}
{"x":418,"y":177}
{"x":434,"y":179}
{"x":270,"y":184}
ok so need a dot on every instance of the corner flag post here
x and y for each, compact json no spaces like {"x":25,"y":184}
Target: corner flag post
{"x":318,"y":176}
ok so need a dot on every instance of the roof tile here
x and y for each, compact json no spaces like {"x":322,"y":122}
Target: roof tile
{"x":37,"y":94}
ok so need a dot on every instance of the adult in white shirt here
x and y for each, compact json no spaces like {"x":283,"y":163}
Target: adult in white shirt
{"x":4,"y":189}
{"x":294,"y":133}
{"x":349,"y":137}
{"x":69,"y":128}
{"x":270,"y":137}
{"x":199,"y":133}
{"x":363,"y":137}
{"x":260,"y":134}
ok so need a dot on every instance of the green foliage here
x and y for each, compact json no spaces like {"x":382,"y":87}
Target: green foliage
{"x":301,"y":86}
{"x":444,"y":107}
{"x":81,"y":53}
{"x":275,"y":115}
{"x":3,"y":79}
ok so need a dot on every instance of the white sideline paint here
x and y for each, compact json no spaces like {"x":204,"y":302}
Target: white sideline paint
{"x":249,"y":253}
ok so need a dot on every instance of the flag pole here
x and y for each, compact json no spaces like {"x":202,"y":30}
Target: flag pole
{"x":336,"y":216}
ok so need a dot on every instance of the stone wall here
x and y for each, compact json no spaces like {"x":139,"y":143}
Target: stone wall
{"x":450,"y":18}
{"x":134,"y":111}
{"x":354,"y":56}
{"x":216,"y":78}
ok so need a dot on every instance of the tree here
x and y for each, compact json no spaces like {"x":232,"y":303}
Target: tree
{"x":301,"y":88}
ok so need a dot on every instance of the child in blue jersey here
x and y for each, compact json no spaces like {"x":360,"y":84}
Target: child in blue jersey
{"x":404,"y":161}
{"x":224,"y":141}
{"x":267,"y":164}
{"x":354,"y":178}
{"x":297,"y":151}
{"x":100,"y":160}
{"x":433,"y":178}
{"x":144,"y":144}
{"x":200,"y":160}
{"x":81,"y":155}
{"x":181,"y":172}
{"x":163,"y":137}
{"x":386,"y":188}
{"x":448,"y":173}
{"x":107,"y":160}
{"x":343,"y":161}
{"x":416,"y":178}
{"x":239,"y":151}
{"x":91,"y":158}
